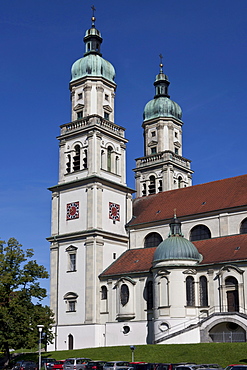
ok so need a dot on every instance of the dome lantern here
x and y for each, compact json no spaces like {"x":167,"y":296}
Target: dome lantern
{"x":92,"y":38}
{"x":161,"y":105}
{"x":92,"y":64}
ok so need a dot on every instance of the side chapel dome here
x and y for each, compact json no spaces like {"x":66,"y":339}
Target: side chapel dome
{"x":92,"y":64}
{"x":176,"y":248}
{"x":161,"y":105}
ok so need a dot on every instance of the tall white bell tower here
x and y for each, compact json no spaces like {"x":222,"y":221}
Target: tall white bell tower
{"x":91,"y":203}
{"x":163,"y":166}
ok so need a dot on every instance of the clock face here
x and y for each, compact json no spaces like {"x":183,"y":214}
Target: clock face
{"x":114,"y":211}
{"x":72,"y":210}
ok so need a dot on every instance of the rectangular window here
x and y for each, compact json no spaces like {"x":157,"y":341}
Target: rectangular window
{"x":153,"y":150}
{"x":106,"y":116}
{"x":79,"y":96}
{"x":72,"y":262}
{"x":106,"y":97}
{"x":71,"y":306}
{"x":79,"y":114}
{"x":153,"y":133}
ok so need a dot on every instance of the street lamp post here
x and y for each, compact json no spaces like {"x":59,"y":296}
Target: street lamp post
{"x":132,"y":353}
{"x":40,"y":327}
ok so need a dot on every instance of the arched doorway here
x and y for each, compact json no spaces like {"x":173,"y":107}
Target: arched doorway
{"x":70,"y":341}
{"x":232,"y":294}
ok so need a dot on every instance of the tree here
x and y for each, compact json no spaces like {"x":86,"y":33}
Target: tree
{"x":19,"y":286}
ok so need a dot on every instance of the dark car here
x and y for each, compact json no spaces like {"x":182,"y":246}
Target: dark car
{"x":47,"y":363}
{"x":25,"y":365}
{"x":95,"y":365}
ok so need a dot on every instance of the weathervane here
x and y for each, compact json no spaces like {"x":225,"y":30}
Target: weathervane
{"x":161,"y":63}
{"x":93,"y":17}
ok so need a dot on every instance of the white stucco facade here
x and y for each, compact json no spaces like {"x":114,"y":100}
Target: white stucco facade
{"x":107,"y":288}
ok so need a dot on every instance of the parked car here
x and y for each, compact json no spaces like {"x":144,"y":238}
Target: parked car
{"x":238,"y":367}
{"x":25,"y":365}
{"x":209,"y":366}
{"x":75,"y":363}
{"x":58,"y":365}
{"x":139,"y":365}
{"x":229,"y":367}
{"x":47,"y":363}
{"x":95,"y":365}
{"x":115,"y":365}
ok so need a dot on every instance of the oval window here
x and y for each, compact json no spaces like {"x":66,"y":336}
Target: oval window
{"x":124,"y":295}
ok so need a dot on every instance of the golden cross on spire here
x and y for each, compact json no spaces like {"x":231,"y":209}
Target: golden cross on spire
{"x":93,"y":17}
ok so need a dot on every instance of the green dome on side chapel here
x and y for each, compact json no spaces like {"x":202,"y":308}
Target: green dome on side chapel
{"x":176,"y":248}
{"x":92,"y":64}
{"x":161,"y":105}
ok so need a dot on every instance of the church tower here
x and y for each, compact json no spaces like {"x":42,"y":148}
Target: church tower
{"x":91,"y":203}
{"x":163,"y":167}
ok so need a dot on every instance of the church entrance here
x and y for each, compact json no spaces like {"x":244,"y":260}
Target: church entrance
{"x":232,"y":294}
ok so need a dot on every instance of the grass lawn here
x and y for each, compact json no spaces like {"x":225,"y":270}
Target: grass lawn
{"x":220,"y":353}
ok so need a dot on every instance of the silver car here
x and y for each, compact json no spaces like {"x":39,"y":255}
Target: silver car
{"x":75,"y":363}
{"x":116,"y":365}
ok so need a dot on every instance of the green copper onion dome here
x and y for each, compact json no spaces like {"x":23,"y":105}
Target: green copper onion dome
{"x":92,"y":64}
{"x":161,"y":105}
{"x":176,"y":247}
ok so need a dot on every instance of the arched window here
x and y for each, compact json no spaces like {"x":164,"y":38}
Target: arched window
{"x":124,"y":294}
{"x":103,"y":292}
{"x":243,"y":227}
{"x":102,"y":156}
{"x":150,"y":295}
{"x":152,"y":189}
{"x":144,"y":190}
{"x":160,"y":188}
{"x":85,"y":159}
{"x":190,"y":291}
{"x":152,"y":240}
{"x":77,"y":159}
{"x":200,"y":232}
{"x":68,"y":164}
{"x":180,"y":182}
{"x":203,"y":286}
{"x":109,"y":158}
{"x":70,"y":341}
{"x":116,"y":165}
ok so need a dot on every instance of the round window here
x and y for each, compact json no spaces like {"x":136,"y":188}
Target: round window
{"x":232,"y":326}
{"x":126,"y":329}
{"x":163,"y":326}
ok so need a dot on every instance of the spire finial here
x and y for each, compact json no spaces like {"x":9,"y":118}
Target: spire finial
{"x":175,"y":211}
{"x":161,"y":63}
{"x":93,"y":17}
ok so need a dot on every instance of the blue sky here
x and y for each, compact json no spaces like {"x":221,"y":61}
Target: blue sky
{"x":205,"y":56}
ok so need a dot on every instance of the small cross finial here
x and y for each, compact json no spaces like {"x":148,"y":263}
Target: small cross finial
{"x":161,"y":63}
{"x":93,"y":17}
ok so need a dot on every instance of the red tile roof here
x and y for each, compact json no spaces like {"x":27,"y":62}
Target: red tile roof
{"x":197,"y":199}
{"x":224,"y":249}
